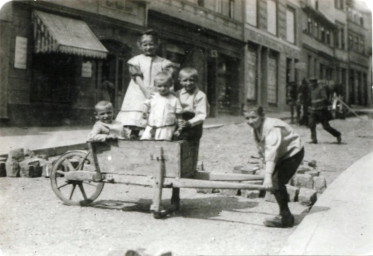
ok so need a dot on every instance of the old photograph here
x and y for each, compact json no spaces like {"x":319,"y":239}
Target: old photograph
{"x":186,"y":127}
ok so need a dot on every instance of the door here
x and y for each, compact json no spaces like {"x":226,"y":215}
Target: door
{"x":115,"y":70}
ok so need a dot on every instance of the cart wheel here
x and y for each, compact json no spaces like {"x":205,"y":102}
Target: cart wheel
{"x":74,"y":192}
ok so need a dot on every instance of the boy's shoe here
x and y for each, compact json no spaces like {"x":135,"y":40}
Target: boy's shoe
{"x":339,"y":139}
{"x":278,"y":221}
{"x":312,"y":142}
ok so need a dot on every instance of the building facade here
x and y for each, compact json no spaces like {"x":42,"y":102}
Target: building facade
{"x":56,"y":55}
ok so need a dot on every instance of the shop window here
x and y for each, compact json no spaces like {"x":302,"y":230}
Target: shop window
{"x":54,"y":78}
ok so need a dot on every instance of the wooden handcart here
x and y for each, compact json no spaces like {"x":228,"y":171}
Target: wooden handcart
{"x":78,"y":176}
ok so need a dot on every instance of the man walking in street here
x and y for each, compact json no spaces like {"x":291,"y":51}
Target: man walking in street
{"x":319,"y":112}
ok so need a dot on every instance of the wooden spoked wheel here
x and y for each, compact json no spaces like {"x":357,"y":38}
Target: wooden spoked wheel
{"x":75,"y":192}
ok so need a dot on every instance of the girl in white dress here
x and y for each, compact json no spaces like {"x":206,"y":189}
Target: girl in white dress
{"x":143,"y":69}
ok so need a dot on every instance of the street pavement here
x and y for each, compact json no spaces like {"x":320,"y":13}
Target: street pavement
{"x":340,"y":223}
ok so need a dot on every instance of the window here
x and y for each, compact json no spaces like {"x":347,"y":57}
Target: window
{"x":339,"y":4}
{"x":322,"y":34}
{"x":350,"y":42}
{"x":361,"y":44}
{"x":201,"y":2}
{"x":328,"y":37}
{"x":272,"y":16}
{"x":356,"y":43}
{"x":309,"y":64}
{"x":361,"y":21}
{"x":54,"y":79}
{"x":231,"y":9}
{"x":316,"y":4}
{"x":342,"y":31}
{"x":290,"y":25}
{"x":251,"y":12}
{"x":316,"y":32}
{"x":309,"y":25}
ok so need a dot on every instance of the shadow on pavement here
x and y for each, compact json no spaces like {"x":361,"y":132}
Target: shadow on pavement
{"x":201,"y":208}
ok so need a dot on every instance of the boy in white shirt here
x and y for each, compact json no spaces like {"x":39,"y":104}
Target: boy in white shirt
{"x":194,"y":103}
{"x":105,"y":127}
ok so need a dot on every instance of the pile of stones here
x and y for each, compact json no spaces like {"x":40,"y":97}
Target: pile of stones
{"x":24,"y":163}
{"x":304,"y":187}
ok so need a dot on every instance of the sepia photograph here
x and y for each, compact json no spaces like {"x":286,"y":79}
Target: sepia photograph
{"x":186,"y":127}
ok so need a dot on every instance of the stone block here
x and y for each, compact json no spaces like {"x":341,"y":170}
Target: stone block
{"x":293,"y":193}
{"x":303,"y":169}
{"x":2,"y":169}
{"x":229,"y":192}
{"x":250,"y":193}
{"x":245,"y":169}
{"x":25,"y":166}
{"x":314,"y":173}
{"x":312,"y":163}
{"x":28,"y":153}
{"x":207,"y":190}
{"x":12,"y":168}
{"x":302,"y":181}
{"x":319,"y":184}
{"x":35,"y":171}
{"x":47,"y":169}
{"x":16,"y":155}
{"x":269,"y":197}
{"x":307,"y":196}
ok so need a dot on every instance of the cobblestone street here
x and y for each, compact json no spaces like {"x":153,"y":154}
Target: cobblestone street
{"x":35,"y":222}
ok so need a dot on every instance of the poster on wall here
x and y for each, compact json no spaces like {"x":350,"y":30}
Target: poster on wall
{"x":20,"y":57}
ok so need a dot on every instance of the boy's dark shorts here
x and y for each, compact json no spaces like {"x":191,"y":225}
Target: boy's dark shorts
{"x":285,"y":170}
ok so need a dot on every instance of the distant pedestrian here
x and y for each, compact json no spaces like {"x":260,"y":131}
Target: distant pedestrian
{"x":282,"y":151}
{"x":303,"y":102}
{"x":105,"y":127}
{"x":319,"y":112}
{"x":291,"y":100}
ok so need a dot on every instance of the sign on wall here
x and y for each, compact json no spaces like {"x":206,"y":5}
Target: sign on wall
{"x":20,"y":57}
{"x":87,"y":69}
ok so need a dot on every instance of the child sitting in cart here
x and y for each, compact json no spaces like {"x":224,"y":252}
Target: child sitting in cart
{"x":105,"y":127}
{"x":162,"y":110}
{"x":194,"y":103}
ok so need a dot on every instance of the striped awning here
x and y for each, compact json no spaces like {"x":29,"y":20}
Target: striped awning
{"x":54,"y":33}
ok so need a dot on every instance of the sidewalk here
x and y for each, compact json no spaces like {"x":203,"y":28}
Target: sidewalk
{"x":35,"y":138}
{"x":341,"y":222}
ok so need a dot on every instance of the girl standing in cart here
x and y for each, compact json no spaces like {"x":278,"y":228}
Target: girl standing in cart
{"x":143,"y":69}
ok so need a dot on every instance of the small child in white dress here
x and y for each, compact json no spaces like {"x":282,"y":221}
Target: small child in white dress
{"x":105,"y":127}
{"x":162,"y":110}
